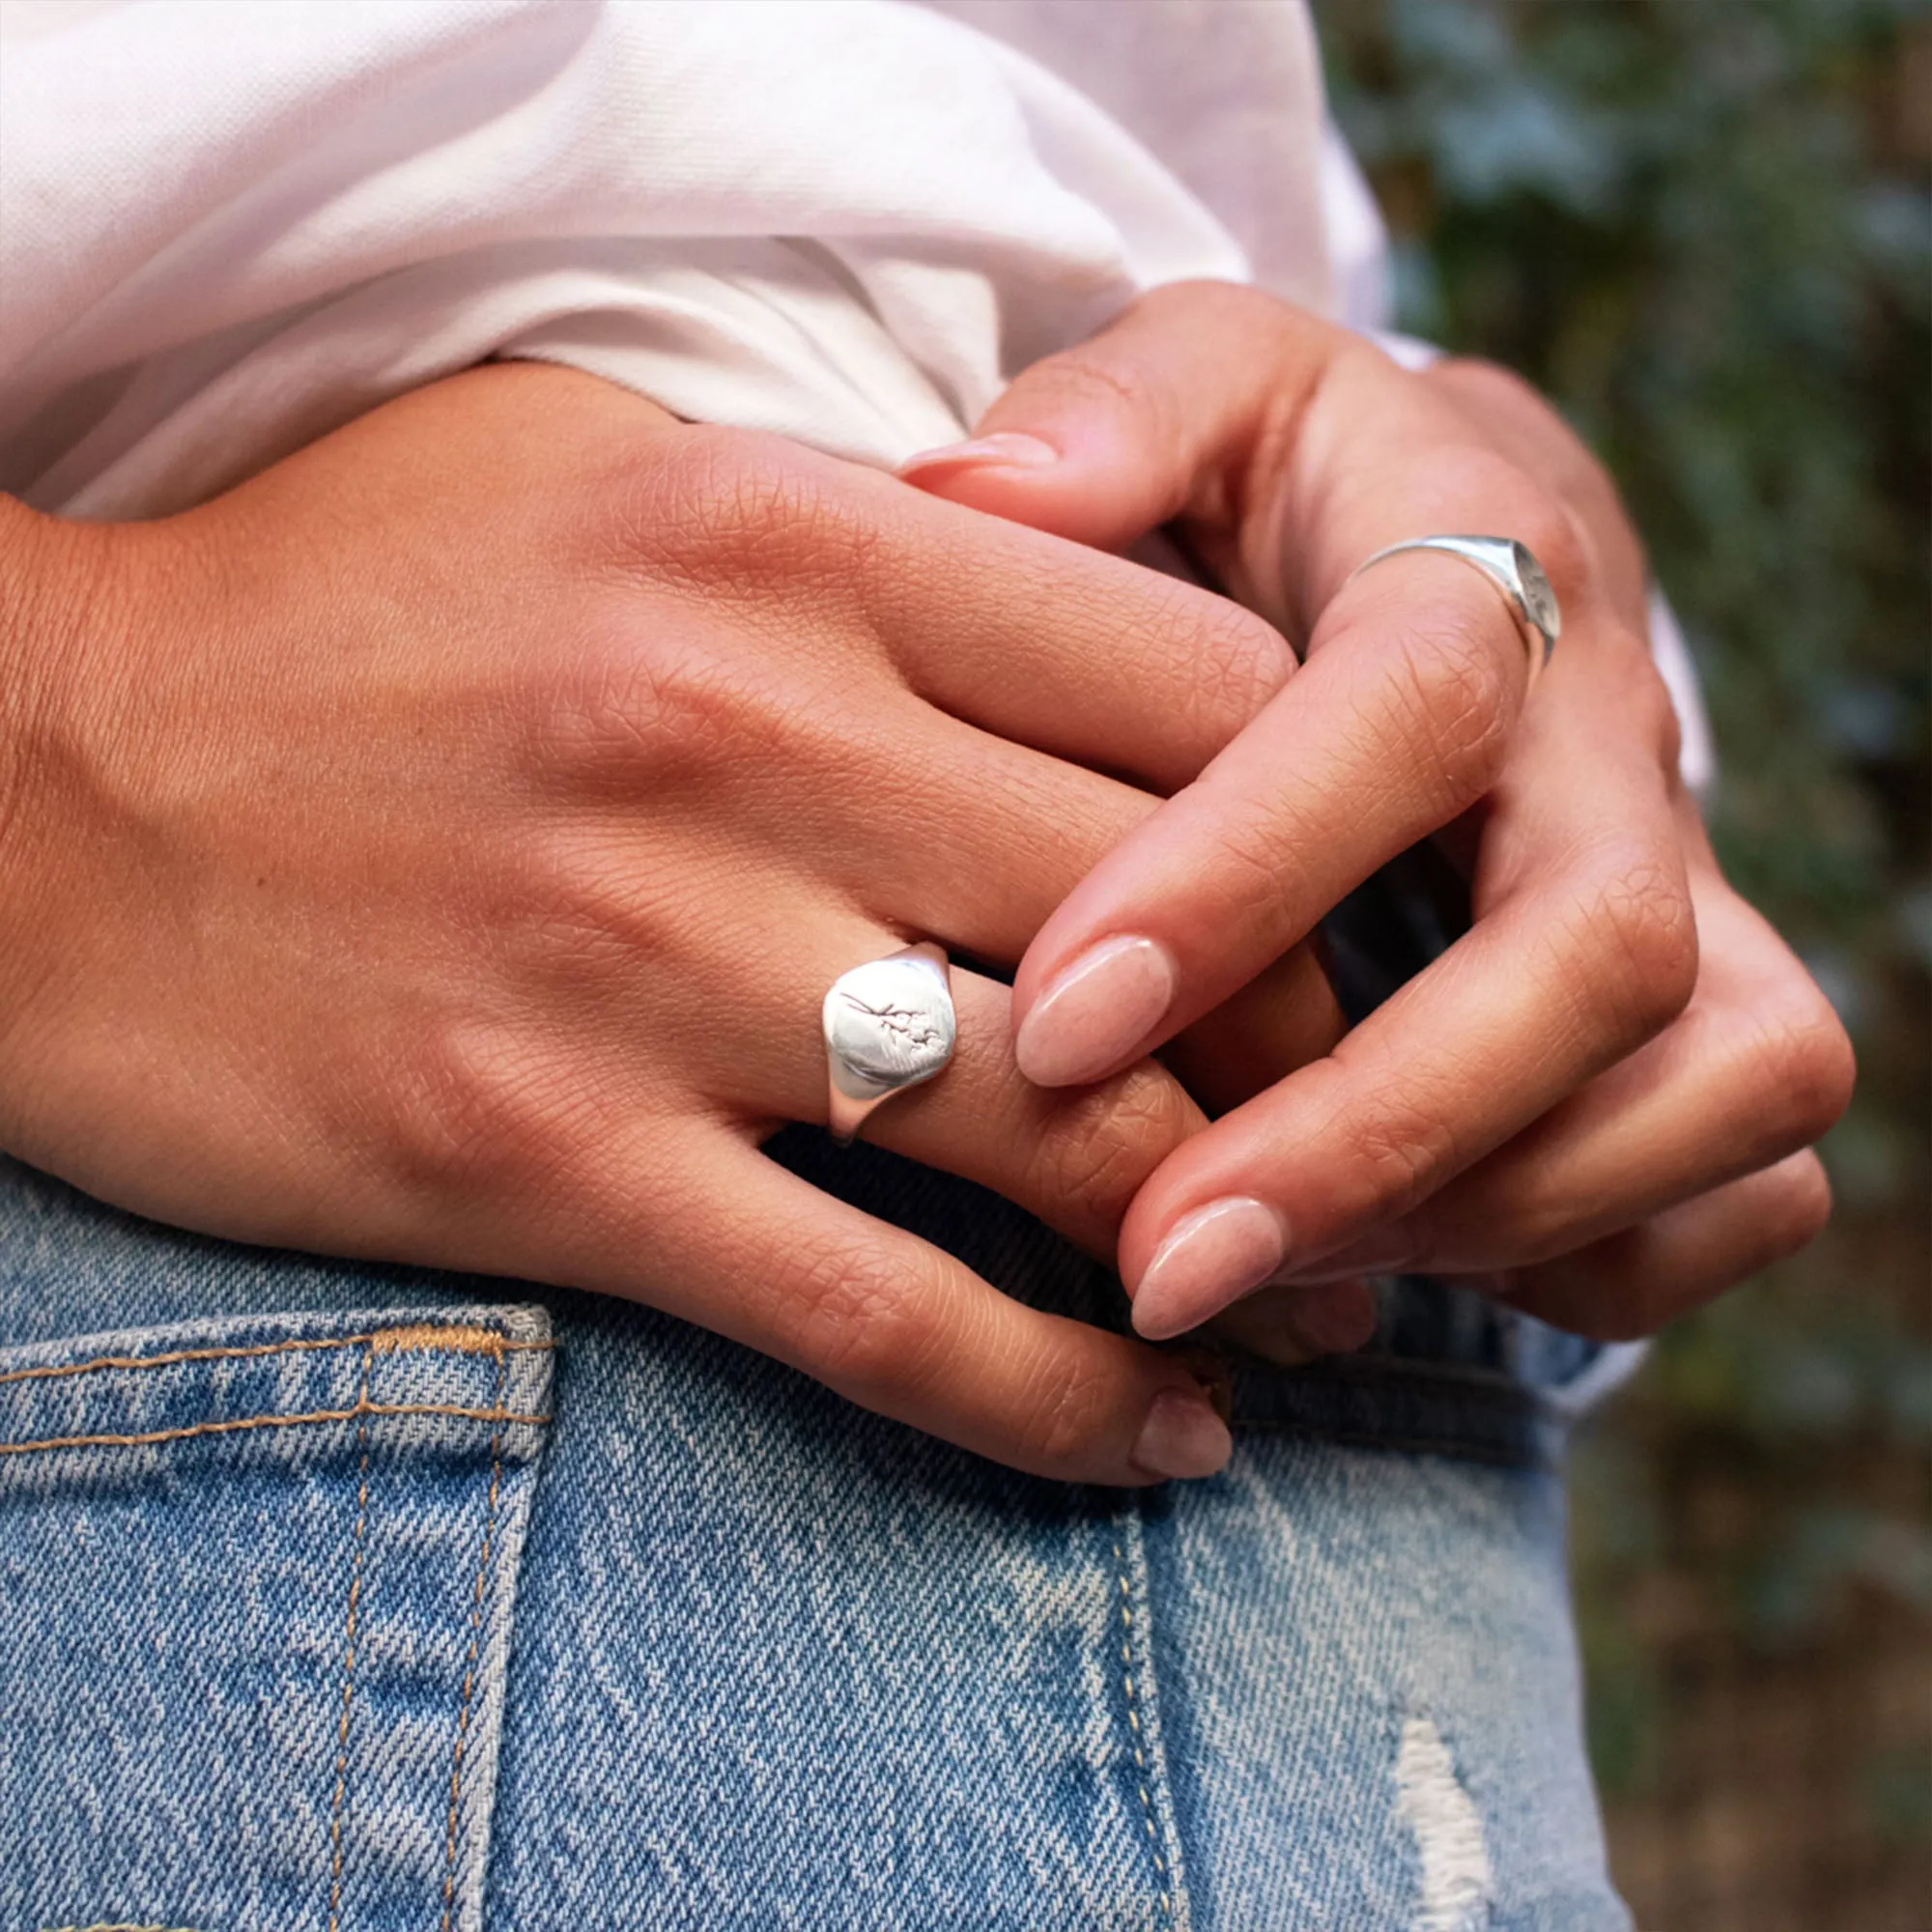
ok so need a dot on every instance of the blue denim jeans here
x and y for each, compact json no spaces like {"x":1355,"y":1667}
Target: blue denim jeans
{"x":345,"y":1597}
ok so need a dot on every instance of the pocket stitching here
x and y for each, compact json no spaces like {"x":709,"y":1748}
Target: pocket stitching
{"x":500,"y":1416}
{"x":413,"y":1336}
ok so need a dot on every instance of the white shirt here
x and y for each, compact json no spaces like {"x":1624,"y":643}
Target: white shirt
{"x":229,"y":226}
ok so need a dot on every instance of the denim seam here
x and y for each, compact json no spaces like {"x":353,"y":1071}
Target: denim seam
{"x":500,"y":1416}
{"x":418,"y":1335}
{"x":1140,"y":1739}
{"x":470,"y":1663}
{"x":349,"y":1651}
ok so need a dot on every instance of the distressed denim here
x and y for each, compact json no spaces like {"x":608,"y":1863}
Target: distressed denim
{"x":347,"y":1597}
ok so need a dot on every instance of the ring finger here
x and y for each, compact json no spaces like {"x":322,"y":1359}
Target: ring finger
{"x":1073,"y":1160}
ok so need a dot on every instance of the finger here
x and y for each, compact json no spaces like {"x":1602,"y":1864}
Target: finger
{"x":1631,"y":1283}
{"x":1074,"y":1161}
{"x":1279,"y":1022}
{"x":1004,"y":834}
{"x":895,"y":1324}
{"x":1149,"y":421}
{"x":1085,"y":657}
{"x":1403,"y":713}
{"x":1122,"y":668}
{"x":1291,"y":1325}
{"x":1756,"y":1069}
{"x":988,"y":840}
{"x":1004,"y":842}
{"x":1574,"y":966}
{"x":969,"y":837}
{"x":1509,"y":413}
{"x":1397,"y":726}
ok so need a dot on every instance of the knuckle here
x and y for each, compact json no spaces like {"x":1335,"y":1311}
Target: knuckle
{"x":1518,"y":504}
{"x":738,"y":510}
{"x":1402,"y":1156}
{"x":1806,"y":1066}
{"x":1084,"y":378}
{"x":1801,"y":1207}
{"x":475,"y":1107}
{"x":1238,"y":662}
{"x":1067,"y":1407}
{"x":1499,"y":394}
{"x":1655,"y":718}
{"x":573,"y":919}
{"x":665,"y":709}
{"x":855,"y":1318}
{"x":1100,"y":1147}
{"x":1641,"y":934}
{"x":1261,"y":879}
{"x":1481,"y":380}
{"x":1554,"y":536}
{"x":1453,"y":702}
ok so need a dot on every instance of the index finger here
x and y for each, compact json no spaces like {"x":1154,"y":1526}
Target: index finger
{"x":1400,"y":720}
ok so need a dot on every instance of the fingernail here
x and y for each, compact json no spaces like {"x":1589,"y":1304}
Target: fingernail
{"x":1215,"y":1377}
{"x":1211,"y":1258}
{"x":1012,"y":447}
{"x":1181,"y":1436}
{"x":1096,"y":1012}
{"x":1335,"y":1317}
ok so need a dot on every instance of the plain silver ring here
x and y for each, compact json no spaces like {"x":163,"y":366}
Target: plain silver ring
{"x":888,"y":1025}
{"x":1512,"y":567}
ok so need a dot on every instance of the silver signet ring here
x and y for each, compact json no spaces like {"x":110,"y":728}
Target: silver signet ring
{"x":888,"y":1025}
{"x":1512,"y":567}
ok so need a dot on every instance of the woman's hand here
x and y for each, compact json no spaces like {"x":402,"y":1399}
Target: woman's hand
{"x":1578,"y":1100}
{"x":438,"y":850}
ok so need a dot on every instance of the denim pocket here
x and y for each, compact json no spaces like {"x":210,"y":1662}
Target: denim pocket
{"x":257,"y":1578}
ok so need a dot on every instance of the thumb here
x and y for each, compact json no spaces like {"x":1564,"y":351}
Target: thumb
{"x":1160,"y":416}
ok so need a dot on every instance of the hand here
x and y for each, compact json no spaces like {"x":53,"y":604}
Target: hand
{"x":1578,"y":1102}
{"x":438,"y":849}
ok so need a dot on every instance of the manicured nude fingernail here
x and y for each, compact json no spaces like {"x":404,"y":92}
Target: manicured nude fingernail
{"x":1211,"y":1258}
{"x":1012,"y":447}
{"x":1181,"y":1436}
{"x":1096,"y":1012}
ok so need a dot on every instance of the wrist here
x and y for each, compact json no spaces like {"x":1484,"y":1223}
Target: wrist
{"x":53,"y":585}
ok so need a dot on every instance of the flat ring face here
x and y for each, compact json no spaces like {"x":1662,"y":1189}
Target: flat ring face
{"x":888,"y":1025}
{"x":1539,"y":600}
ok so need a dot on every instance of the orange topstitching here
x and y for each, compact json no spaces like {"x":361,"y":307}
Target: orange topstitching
{"x":499,"y":1416}
{"x":459,"y":1339}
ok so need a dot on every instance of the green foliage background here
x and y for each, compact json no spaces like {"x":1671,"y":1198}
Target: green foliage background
{"x":1704,"y":227}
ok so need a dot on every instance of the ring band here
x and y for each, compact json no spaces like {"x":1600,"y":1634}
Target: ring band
{"x":888,"y":1025}
{"x":1512,"y":567}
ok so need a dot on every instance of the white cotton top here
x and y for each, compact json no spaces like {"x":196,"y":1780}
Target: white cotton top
{"x":228,"y":226}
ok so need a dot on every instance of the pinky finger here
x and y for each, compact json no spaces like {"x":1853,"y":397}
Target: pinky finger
{"x":1630,"y":1284}
{"x":901,"y":1327}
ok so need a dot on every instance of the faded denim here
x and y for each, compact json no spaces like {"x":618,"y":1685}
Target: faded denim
{"x":335,"y":1597}
{"x":341,"y":1598}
